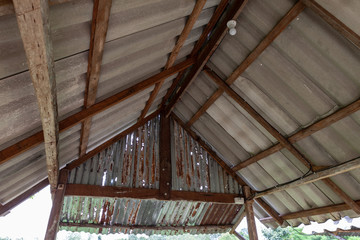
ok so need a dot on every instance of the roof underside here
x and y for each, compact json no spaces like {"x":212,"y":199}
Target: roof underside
{"x":307,"y":73}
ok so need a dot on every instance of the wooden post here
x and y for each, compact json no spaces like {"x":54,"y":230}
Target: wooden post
{"x":165,"y":157}
{"x":54,"y":218}
{"x":250,"y":217}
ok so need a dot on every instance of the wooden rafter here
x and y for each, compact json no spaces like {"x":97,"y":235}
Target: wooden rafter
{"x":33,"y":21}
{"x":333,"y":22}
{"x":280,"y":26}
{"x":144,"y":193}
{"x":99,"y":26}
{"x":206,"y":53}
{"x":55,"y":213}
{"x":214,"y":19}
{"x":32,"y":141}
{"x":180,"y":42}
{"x":270,"y":211}
{"x":312,"y":212}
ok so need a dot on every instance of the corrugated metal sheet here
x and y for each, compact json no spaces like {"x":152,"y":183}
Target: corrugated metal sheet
{"x":193,"y":169}
{"x":307,"y":73}
{"x":109,"y":211}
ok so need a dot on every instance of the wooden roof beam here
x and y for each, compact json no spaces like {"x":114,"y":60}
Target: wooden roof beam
{"x":180,"y":42}
{"x":33,"y":21}
{"x":37,"y":138}
{"x":214,"y":19}
{"x":260,"y":48}
{"x":333,"y":22}
{"x":206,"y":53}
{"x":145,"y":193}
{"x":99,"y":26}
{"x":312,"y":212}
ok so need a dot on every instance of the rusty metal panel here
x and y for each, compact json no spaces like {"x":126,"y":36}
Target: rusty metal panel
{"x":133,"y":161}
{"x":193,"y":169}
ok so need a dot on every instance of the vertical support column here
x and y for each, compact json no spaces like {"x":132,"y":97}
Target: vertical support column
{"x":54,"y":218}
{"x":250,"y":217}
{"x":165,"y":157}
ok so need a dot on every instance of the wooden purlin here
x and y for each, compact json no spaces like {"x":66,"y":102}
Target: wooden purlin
{"x":270,"y":37}
{"x":34,"y":26}
{"x":99,"y":26}
{"x":180,"y":42}
{"x":206,"y":53}
{"x":37,"y":138}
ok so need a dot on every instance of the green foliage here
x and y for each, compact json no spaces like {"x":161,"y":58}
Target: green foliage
{"x":228,"y":236}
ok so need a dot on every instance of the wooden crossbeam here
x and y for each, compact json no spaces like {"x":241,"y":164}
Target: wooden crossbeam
{"x":55,"y":213}
{"x":150,"y":228}
{"x":312,"y":212}
{"x":333,"y":22}
{"x":180,"y":42}
{"x":260,"y":48}
{"x":37,"y":138}
{"x":206,"y":53}
{"x":99,"y":26}
{"x":330,"y":172}
{"x":145,"y":193}
{"x":33,"y":21}
{"x":214,"y":19}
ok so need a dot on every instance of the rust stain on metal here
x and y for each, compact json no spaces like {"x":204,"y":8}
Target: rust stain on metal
{"x":136,"y":158}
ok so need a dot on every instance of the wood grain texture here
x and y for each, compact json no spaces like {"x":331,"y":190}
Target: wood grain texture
{"x":175,"y":52}
{"x":270,"y":211}
{"x":99,"y":26}
{"x":250,"y":216}
{"x":242,"y":215}
{"x":165,"y":157}
{"x":33,"y":22}
{"x":260,"y":48}
{"x":37,"y":138}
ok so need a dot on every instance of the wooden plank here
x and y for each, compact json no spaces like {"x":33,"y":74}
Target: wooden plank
{"x":242,"y":215}
{"x":333,"y":22}
{"x":270,"y":37}
{"x":4,"y":209}
{"x":250,"y":216}
{"x":270,"y":211}
{"x":54,"y":218}
{"x":204,"y":36}
{"x":206,"y":53}
{"x":145,"y":193}
{"x":252,"y":112}
{"x":208,"y":149}
{"x":312,"y":212}
{"x":99,"y":26}
{"x":150,"y":228}
{"x":342,"y":195}
{"x":74,"y":119}
{"x":111,"y":141}
{"x":330,"y":172}
{"x":33,"y":22}
{"x":321,"y":124}
{"x":180,"y":42}
{"x":165,"y":157}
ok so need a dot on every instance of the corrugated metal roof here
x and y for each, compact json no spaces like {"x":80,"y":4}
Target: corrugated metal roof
{"x":132,"y":212}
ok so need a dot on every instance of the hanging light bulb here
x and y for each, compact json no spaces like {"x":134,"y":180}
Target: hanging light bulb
{"x":231,"y":25}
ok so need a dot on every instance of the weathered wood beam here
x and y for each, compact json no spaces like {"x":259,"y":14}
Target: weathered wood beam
{"x":74,"y":119}
{"x":33,"y":22}
{"x":109,"y":142}
{"x":321,"y":124}
{"x":270,"y":211}
{"x":250,"y":216}
{"x":180,"y":42}
{"x":333,"y":22}
{"x":165,"y":181}
{"x":280,"y":26}
{"x":238,"y":236}
{"x":330,"y":172}
{"x":214,"y":19}
{"x":206,"y":53}
{"x":312,"y":212}
{"x":242,"y":215}
{"x":4,"y":209}
{"x":252,"y":112}
{"x":145,"y":193}
{"x":99,"y":26}
{"x":151,"y":228}
{"x":208,"y":149}
{"x":55,"y":213}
